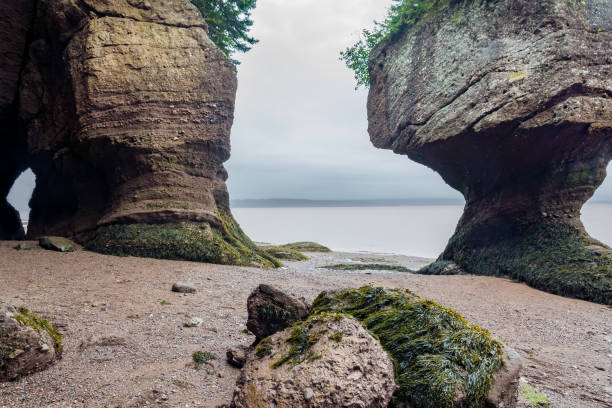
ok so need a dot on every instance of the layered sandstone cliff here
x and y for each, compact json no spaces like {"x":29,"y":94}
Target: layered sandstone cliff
{"x":511,"y":103}
{"x":123,"y":111}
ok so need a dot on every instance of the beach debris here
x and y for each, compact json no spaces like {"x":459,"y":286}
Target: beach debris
{"x":271,"y":310}
{"x":328,"y":360}
{"x":59,"y":244}
{"x":22,"y":247}
{"x":183,"y":287}
{"x":193,"y":322}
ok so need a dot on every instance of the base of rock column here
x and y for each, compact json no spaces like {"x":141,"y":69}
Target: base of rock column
{"x":553,"y":257}
{"x":188,"y":241}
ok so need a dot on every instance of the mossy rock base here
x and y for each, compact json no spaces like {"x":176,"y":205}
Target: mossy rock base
{"x":555,"y":258}
{"x":284,"y":253}
{"x":306,"y":247}
{"x":441,"y":360}
{"x":188,"y":241}
{"x":367,"y":267}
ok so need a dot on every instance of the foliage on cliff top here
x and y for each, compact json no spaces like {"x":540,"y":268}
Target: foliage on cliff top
{"x":229,"y":22}
{"x":402,"y":14}
{"x":437,"y":354}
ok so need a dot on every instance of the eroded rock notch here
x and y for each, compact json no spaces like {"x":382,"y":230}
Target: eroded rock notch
{"x":511,"y":103}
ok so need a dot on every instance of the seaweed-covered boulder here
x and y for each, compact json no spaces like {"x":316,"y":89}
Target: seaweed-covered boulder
{"x":441,"y":360}
{"x":59,"y":244}
{"x":271,"y":310}
{"x":28,"y":343}
{"x":510,"y":102}
{"x":328,"y":360}
{"x":123,"y":112}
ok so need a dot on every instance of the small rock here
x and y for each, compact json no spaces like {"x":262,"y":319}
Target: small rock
{"x":22,"y":247}
{"x":183,"y":287}
{"x":193,"y":322}
{"x":308,"y":394}
{"x":44,"y":348}
{"x":271,"y":310}
{"x":236,"y":356}
{"x":57,"y":244}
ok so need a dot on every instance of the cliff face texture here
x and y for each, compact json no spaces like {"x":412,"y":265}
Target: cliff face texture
{"x":511,"y":103}
{"x":123,"y":110}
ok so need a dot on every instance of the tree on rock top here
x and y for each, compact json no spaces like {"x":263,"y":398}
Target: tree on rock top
{"x":229,"y":22}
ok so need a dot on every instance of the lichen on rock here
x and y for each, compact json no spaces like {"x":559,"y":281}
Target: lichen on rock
{"x":511,"y":104}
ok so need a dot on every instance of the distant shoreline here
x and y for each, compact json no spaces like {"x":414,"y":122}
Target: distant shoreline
{"x":303,"y":203}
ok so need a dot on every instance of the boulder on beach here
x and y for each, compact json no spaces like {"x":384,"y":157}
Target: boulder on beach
{"x":271,"y":310}
{"x":28,"y":343}
{"x":123,"y":110}
{"x":510,"y":102}
{"x":441,"y":360}
{"x":58,"y":244}
{"x":328,"y":360}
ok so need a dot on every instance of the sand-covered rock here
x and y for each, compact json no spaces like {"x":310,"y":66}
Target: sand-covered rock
{"x":325,"y":361}
{"x":28,"y":343}
{"x":510,"y":102}
{"x":271,"y":310}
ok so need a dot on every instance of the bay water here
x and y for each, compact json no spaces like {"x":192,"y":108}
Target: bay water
{"x":408,"y":230}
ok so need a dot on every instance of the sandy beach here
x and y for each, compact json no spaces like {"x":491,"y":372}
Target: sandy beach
{"x":125,"y":344}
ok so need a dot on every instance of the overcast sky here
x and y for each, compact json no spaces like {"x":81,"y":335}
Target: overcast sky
{"x":300,"y":128}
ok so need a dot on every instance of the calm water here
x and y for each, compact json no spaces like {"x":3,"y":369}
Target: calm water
{"x":409,"y":230}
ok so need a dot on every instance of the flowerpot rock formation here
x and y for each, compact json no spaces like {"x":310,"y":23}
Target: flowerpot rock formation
{"x":123,"y":110}
{"x":511,"y":103}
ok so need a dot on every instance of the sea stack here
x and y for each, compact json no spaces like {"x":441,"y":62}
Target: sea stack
{"x":511,"y":103}
{"x":123,"y":110}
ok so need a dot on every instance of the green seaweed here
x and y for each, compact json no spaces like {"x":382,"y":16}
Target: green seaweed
{"x":201,"y":357}
{"x":549,"y":256}
{"x":28,"y":318}
{"x":263,"y":348}
{"x":284,"y":253}
{"x":437,"y":354}
{"x":306,"y":247}
{"x":190,"y":241}
{"x":302,"y":338}
{"x":531,"y":397}
{"x":367,"y":267}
